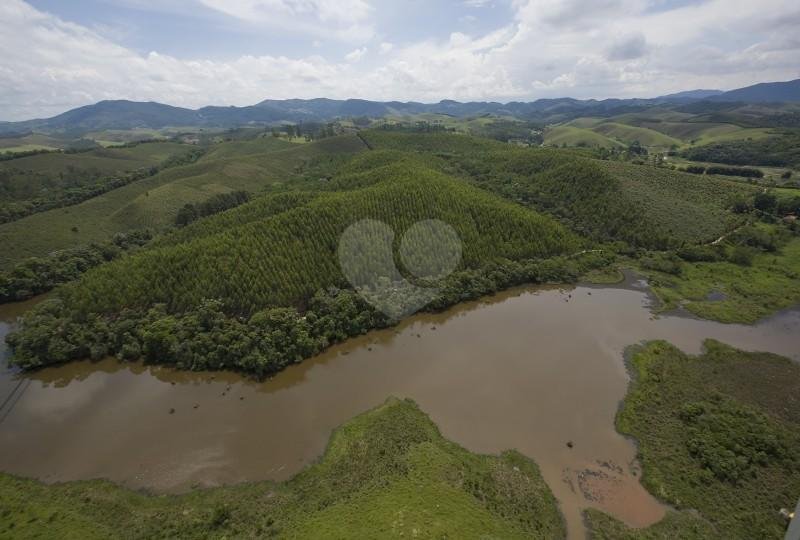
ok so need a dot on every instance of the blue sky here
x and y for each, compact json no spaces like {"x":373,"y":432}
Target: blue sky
{"x":61,"y":54}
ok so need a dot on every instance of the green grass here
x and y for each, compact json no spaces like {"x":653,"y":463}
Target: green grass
{"x":32,"y":139}
{"x":604,"y":276}
{"x":658,"y":129}
{"x":103,"y":160}
{"x":576,"y":136}
{"x":718,"y":434}
{"x":25,"y":148}
{"x":628,"y":134}
{"x":387,"y":472}
{"x":771,"y":283}
{"x":682,"y":525}
{"x":698,"y":133}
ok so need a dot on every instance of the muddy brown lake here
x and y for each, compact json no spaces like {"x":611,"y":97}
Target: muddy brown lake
{"x":531,"y":368}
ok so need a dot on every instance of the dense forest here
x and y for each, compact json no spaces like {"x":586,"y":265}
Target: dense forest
{"x":257,"y":285}
{"x":774,"y":151}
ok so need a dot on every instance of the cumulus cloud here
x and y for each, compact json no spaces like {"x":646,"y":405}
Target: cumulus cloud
{"x":341,"y":19}
{"x":604,"y":48}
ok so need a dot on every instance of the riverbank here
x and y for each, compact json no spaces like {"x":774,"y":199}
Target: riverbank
{"x":718,"y":437}
{"x":387,"y":472}
{"x":732,"y":293}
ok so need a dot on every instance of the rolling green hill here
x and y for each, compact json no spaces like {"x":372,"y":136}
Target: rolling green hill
{"x":684,"y":206}
{"x":608,"y":201}
{"x":628,"y":134}
{"x":37,"y":183}
{"x":286,"y":254}
{"x":577,"y":136}
{"x":154,"y":202}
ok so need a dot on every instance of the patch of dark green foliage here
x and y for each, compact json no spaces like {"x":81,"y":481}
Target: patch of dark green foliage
{"x":269,"y":340}
{"x":775,"y":151}
{"x":213,"y":205}
{"x":38,"y":275}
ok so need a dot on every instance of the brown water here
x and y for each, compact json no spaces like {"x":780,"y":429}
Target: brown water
{"x":527,"y":369}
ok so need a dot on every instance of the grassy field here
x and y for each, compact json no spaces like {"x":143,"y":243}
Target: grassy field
{"x":577,"y":136}
{"x":697,"y":133}
{"x":628,"y":134}
{"x":25,"y":148}
{"x":770,"y":283}
{"x":154,"y":202}
{"x":387,"y":472}
{"x":719,"y":435}
{"x":31,"y":140}
{"x":657,"y":129}
{"x":104,"y":160}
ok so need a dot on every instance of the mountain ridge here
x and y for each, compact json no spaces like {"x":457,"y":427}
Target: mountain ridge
{"x":126,"y":114}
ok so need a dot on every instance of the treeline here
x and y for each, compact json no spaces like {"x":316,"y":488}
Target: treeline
{"x":745,"y":172}
{"x":86,"y":184}
{"x":38,"y":275}
{"x":417,"y":126}
{"x":310,"y":131}
{"x":213,"y":205}
{"x":8,"y":156}
{"x":208,"y":337}
{"x":774,"y":151}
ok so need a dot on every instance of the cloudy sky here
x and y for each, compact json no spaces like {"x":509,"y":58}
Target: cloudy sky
{"x":59,"y":54}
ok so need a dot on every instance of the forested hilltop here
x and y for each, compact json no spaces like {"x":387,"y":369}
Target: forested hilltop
{"x":259,"y":286}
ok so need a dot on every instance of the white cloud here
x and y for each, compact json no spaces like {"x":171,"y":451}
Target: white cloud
{"x":355,"y":55}
{"x":609,"y":48}
{"x":342,"y":19}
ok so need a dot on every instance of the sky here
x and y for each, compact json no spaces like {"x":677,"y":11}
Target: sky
{"x":56,"y":55}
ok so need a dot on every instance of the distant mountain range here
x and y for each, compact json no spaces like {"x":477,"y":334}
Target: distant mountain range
{"x":123,"y":114}
{"x":776,"y":92}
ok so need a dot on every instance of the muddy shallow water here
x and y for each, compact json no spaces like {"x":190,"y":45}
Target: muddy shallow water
{"x":531,"y":369}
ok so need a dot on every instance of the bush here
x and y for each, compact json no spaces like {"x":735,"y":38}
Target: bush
{"x":735,"y":171}
{"x":669,"y":263}
{"x":766,"y":202}
{"x":731,"y":440}
{"x":695,"y":169}
{"x":741,"y":255}
{"x":702,"y":253}
{"x":213,"y":205}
